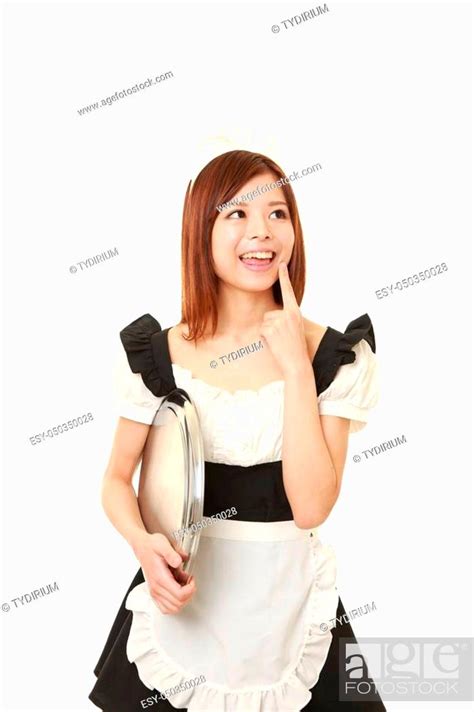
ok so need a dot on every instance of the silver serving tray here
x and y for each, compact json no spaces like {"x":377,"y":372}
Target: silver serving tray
{"x":171,"y":485}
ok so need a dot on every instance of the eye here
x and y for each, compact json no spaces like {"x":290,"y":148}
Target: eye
{"x":234,"y":212}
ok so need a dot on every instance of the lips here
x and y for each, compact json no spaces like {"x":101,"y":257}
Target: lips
{"x":258,"y":264}
{"x":250,"y":257}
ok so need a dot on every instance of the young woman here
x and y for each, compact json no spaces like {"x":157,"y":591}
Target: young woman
{"x":254,"y":628}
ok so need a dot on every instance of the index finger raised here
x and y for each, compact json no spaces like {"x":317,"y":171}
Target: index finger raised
{"x":287,"y":293}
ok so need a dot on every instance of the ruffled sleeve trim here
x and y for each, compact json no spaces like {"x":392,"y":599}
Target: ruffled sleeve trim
{"x":146,"y":346}
{"x":358,"y":416}
{"x":338,"y":349}
{"x":352,"y":372}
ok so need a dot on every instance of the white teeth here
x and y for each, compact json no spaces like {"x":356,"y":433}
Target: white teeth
{"x":258,"y":255}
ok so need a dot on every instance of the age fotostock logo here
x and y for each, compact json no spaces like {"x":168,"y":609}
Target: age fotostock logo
{"x":406,"y":669}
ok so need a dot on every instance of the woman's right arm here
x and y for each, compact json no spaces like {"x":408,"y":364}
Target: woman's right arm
{"x":154,"y":551}
{"x":118,"y":495}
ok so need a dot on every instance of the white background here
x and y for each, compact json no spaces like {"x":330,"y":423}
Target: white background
{"x":380,"y":95}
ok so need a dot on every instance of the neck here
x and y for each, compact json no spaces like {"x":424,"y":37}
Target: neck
{"x":240,"y":313}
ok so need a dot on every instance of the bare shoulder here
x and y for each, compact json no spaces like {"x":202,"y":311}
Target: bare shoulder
{"x":314,"y":333}
{"x":178,"y":345}
{"x":312,"y":329}
{"x":186,"y":352}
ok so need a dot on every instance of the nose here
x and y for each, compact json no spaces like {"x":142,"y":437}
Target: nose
{"x":257,"y":228}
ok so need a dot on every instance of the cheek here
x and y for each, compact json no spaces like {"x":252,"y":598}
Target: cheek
{"x":224,"y":245}
{"x":223,"y":257}
{"x":286,"y":237}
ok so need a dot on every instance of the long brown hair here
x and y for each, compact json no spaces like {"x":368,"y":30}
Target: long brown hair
{"x":217,"y":183}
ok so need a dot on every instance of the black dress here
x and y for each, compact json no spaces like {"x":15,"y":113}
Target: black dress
{"x":290,"y":661}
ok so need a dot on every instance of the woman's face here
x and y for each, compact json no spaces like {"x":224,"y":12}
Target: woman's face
{"x":257,"y":224}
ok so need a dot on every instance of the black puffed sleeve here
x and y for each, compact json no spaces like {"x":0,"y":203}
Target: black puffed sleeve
{"x":143,"y":374}
{"x":349,"y":379}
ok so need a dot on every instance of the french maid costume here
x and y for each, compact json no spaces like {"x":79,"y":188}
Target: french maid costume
{"x":258,"y":629}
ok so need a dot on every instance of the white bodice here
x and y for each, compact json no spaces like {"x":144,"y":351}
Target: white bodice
{"x":245,"y":427}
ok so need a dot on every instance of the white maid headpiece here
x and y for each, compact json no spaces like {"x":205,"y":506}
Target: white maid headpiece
{"x":212,"y":145}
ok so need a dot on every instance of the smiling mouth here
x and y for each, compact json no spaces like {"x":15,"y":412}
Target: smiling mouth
{"x":258,"y":258}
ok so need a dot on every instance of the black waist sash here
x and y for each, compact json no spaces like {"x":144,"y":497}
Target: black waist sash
{"x":257,"y":492}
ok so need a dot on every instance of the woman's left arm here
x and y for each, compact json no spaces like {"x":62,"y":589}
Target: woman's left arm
{"x":314,"y":447}
{"x":313,"y":452}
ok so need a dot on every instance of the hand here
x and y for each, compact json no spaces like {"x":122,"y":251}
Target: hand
{"x":170,"y":587}
{"x":283,"y":329}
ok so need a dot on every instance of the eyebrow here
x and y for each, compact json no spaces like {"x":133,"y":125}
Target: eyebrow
{"x":272,"y":202}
